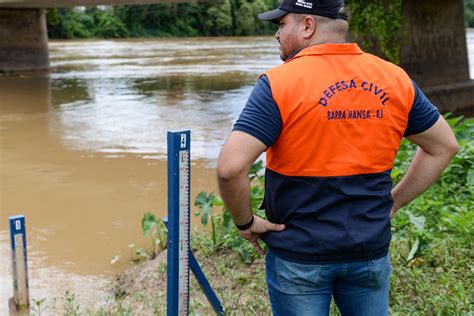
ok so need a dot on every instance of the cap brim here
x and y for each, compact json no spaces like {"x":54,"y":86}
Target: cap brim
{"x":272,"y":15}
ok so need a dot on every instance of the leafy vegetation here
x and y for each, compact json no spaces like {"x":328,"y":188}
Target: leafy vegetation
{"x":469,"y":12}
{"x":378,"y":26}
{"x":157,"y":231}
{"x":223,"y":18}
{"x":38,"y":306}
{"x":224,"y":234}
{"x":93,"y":22}
{"x":432,"y":247}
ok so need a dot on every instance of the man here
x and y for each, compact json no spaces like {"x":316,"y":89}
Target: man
{"x":330,"y":119}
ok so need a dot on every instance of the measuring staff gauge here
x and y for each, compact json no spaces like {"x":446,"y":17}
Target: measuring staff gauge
{"x":180,"y":257}
{"x":178,"y":226}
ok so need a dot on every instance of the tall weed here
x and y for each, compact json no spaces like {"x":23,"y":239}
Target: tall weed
{"x":432,"y":246}
{"x":223,"y":232}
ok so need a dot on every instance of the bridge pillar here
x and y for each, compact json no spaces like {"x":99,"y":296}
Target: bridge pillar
{"x":435,"y":53}
{"x":23,"y":40}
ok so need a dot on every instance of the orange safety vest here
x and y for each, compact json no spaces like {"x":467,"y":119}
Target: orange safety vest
{"x":343,"y":112}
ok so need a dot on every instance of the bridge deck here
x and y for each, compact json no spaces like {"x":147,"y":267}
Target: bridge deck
{"x":74,"y":3}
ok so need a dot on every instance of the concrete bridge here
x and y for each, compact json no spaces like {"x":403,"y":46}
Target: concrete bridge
{"x":23,"y":33}
{"x":434,"y":54}
{"x":38,"y":4}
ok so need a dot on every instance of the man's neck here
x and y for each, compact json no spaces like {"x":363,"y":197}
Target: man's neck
{"x":319,"y":41}
{"x":313,"y":43}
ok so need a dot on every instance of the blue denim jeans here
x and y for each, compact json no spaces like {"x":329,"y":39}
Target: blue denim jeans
{"x":359,"y":288}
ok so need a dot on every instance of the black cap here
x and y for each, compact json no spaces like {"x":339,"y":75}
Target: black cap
{"x":333,"y":9}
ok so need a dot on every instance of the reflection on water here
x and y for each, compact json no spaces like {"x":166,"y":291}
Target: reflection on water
{"x":121,"y":96}
{"x":133,"y":117}
{"x":82,"y":149}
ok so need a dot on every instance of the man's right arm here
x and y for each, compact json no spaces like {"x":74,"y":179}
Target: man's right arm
{"x":436,"y":147}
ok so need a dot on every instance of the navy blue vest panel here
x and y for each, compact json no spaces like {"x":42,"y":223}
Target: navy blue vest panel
{"x":329,"y":219}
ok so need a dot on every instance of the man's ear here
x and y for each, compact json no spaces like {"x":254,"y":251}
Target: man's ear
{"x":309,"y":27}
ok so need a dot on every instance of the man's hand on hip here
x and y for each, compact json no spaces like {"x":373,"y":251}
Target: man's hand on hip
{"x":393,"y":212}
{"x":256,"y":231}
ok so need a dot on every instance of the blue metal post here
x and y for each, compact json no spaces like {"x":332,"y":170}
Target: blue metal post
{"x":202,"y":280}
{"x":178,"y":226}
{"x":205,"y":286}
{"x":21,"y":298}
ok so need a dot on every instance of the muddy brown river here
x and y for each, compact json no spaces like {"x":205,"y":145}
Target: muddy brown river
{"x":83,"y":148}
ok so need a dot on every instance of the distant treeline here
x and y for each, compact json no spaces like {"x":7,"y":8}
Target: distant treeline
{"x":469,"y":5}
{"x":212,"y":18}
{"x":223,"y":18}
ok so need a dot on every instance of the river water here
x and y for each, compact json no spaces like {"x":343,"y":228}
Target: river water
{"x":83,"y":148}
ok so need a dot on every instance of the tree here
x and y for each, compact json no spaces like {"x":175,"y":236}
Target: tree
{"x":219,"y":21}
{"x":66,"y":23}
{"x":245,"y":24}
{"x":104,"y":24}
{"x":469,"y":12}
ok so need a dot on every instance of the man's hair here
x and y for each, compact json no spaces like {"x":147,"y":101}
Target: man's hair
{"x":334,"y":27}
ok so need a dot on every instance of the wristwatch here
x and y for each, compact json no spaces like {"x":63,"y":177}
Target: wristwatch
{"x":246,"y":226}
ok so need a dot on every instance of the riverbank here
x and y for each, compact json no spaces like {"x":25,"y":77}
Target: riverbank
{"x":239,"y":286}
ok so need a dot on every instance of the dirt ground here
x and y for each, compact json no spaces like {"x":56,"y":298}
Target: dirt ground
{"x":240,"y":287}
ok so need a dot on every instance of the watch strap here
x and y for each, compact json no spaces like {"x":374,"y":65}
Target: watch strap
{"x":246,"y":226}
